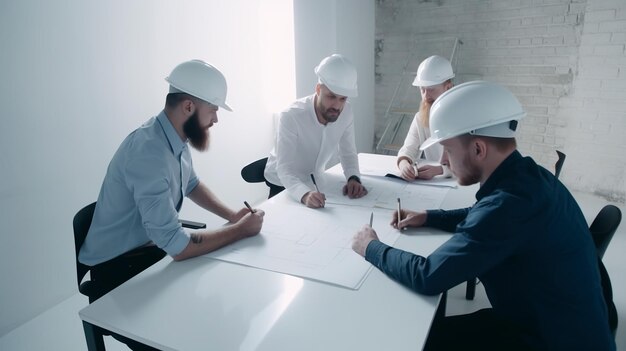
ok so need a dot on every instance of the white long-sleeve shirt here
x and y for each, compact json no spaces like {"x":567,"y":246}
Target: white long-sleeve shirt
{"x":415,"y":137}
{"x":304,"y":146}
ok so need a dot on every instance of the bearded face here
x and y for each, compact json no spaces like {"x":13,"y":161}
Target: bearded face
{"x":329,"y":114}
{"x":457,"y":156}
{"x":425,"y":113}
{"x":429,"y":95}
{"x":197,"y":135}
{"x":328,"y":105}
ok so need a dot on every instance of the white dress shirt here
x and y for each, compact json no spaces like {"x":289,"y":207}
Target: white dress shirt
{"x":304,"y":146}
{"x":411,"y":148}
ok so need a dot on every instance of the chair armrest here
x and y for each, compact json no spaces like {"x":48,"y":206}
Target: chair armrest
{"x":191,"y":224}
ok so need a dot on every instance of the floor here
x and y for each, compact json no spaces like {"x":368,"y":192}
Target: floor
{"x":60,"y":328}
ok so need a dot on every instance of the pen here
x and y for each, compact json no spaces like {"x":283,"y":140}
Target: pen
{"x":314,"y":183}
{"x":399,"y":212}
{"x":248,"y":206}
{"x":371,"y":219}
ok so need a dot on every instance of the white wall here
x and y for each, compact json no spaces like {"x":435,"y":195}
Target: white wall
{"x":78,"y":76}
{"x":324,"y":27}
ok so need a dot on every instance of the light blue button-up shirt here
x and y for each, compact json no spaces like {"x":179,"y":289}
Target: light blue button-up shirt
{"x":141,"y":195}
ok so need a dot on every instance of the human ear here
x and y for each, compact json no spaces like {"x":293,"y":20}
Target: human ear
{"x":188,"y":107}
{"x":479,"y":146}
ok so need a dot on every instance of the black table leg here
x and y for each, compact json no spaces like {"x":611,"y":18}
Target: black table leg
{"x":94,"y":337}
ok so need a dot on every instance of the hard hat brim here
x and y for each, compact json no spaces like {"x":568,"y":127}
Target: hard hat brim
{"x":175,"y":89}
{"x":429,"y":142}
{"x":429,"y":83}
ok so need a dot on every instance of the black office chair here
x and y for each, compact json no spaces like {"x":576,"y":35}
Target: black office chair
{"x":604,"y":226}
{"x":82,"y":222}
{"x":91,"y":289}
{"x":254,"y":172}
{"x":602,"y":229}
{"x":559,"y":163}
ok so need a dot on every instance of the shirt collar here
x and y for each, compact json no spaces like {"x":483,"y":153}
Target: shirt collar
{"x":172,"y":136}
{"x":501,"y":172}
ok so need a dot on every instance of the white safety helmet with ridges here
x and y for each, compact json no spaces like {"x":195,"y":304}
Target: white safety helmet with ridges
{"x":477,"y":108}
{"x":200,"y":79}
{"x":432,"y":71}
{"x":338,"y":74}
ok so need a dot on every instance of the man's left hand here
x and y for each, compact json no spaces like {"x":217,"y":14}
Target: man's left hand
{"x":427,"y":172}
{"x":354,"y":189}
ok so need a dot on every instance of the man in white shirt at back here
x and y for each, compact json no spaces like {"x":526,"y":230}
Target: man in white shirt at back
{"x":314,"y":129}
{"x":434,"y":77}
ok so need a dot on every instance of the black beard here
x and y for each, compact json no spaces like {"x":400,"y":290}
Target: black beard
{"x":198,"y":137}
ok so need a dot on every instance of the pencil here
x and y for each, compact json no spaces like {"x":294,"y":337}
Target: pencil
{"x":399,"y":212}
{"x":371,"y":219}
{"x":314,"y":183}
{"x":248,"y":206}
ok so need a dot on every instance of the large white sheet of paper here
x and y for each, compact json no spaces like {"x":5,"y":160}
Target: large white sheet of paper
{"x":310,"y":243}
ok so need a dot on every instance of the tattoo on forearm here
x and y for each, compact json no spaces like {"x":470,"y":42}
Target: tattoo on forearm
{"x":196,"y":238}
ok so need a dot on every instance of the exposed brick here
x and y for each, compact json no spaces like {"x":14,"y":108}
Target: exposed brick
{"x":600,"y":16}
{"x":564,"y":59}
{"x":612,"y":26}
{"x":608,"y":50}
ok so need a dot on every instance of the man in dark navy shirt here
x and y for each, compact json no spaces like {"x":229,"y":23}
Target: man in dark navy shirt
{"x":525,"y":238}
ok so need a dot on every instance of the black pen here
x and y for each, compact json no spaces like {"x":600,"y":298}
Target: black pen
{"x":314,"y":183}
{"x":248,"y":206}
{"x":371,"y":219}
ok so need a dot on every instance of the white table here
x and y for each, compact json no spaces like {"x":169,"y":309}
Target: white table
{"x":201,"y":304}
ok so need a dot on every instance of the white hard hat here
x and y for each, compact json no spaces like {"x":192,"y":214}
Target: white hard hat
{"x":432,"y":71}
{"x":477,"y":108}
{"x":199,"y":79}
{"x":338,"y":74}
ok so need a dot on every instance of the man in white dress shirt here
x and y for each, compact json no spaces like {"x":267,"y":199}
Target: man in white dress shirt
{"x":434,"y":77}
{"x":314,"y":129}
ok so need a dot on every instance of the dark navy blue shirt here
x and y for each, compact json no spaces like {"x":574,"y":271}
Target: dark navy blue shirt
{"x":528,"y":242}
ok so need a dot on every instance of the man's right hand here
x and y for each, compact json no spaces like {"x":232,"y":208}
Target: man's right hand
{"x":314,"y":199}
{"x":407,"y":171}
{"x":408,"y":219}
{"x":251,"y":223}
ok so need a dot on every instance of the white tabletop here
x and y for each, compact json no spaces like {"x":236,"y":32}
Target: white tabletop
{"x":201,"y":304}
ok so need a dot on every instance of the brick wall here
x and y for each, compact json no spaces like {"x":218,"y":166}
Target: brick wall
{"x":564,"y":60}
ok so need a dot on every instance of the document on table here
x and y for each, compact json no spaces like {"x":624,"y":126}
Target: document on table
{"x":383,"y":193}
{"x":310,"y":243}
{"x":386,"y":167}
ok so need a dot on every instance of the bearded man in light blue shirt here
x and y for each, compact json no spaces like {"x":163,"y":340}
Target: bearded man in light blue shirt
{"x":136,"y":217}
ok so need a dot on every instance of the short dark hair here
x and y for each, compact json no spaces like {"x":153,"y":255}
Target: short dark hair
{"x":501,"y":144}
{"x":174,"y":99}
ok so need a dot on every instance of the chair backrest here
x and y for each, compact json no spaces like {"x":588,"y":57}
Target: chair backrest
{"x":602,"y":229}
{"x":607,"y":292}
{"x":82,"y":222}
{"x":604,"y":226}
{"x":254,"y":172}
{"x":559,"y":163}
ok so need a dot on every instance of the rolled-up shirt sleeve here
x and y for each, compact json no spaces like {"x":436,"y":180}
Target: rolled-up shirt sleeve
{"x":148,"y":181}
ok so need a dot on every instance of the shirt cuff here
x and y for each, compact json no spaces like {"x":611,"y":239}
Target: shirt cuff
{"x":354,"y":177}
{"x":375,"y":252}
